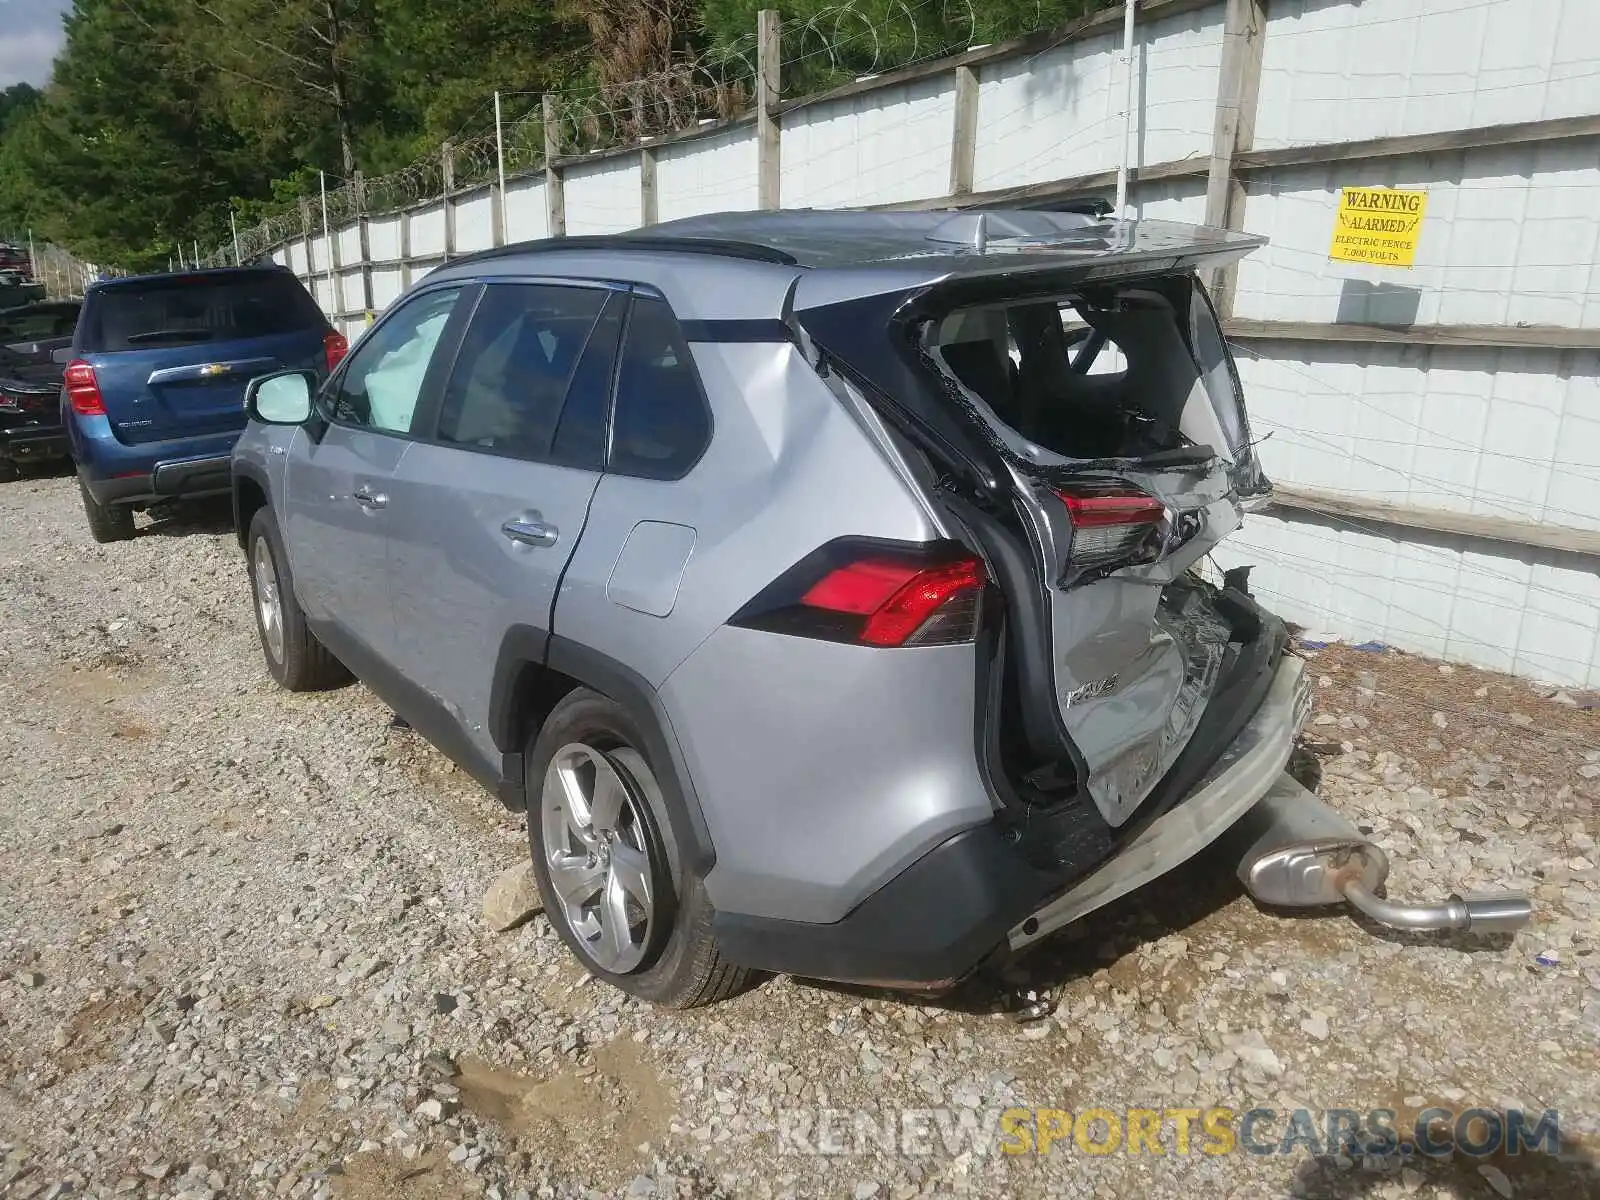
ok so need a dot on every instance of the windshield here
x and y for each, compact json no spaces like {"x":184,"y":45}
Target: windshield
{"x":195,"y":309}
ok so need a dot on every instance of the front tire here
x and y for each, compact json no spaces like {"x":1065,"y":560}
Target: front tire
{"x":612,"y":878}
{"x":107,"y":522}
{"x":295,"y":658}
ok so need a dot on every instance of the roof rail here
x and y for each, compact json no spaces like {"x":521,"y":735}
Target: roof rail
{"x":721,"y":247}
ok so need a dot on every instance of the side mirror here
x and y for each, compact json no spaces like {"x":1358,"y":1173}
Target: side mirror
{"x":61,"y":356}
{"x":281,"y":399}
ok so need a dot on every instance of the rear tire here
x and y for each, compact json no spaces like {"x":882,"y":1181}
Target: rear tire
{"x":107,"y":522}
{"x":9,"y":471}
{"x":674,"y":960}
{"x":295,"y":658}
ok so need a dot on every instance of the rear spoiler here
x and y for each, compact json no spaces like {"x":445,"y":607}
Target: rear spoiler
{"x":1086,"y":206}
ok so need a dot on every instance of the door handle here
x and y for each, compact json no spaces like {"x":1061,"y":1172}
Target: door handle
{"x":531,"y":533}
{"x":369,"y":499}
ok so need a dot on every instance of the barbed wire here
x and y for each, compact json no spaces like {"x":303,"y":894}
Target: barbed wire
{"x":832,"y":44}
{"x":842,"y":40}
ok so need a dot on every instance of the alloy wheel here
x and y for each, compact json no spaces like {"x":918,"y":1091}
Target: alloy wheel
{"x":597,"y":851}
{"x":269,"y":603}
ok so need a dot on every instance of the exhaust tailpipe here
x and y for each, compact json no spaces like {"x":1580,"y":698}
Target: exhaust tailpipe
{"x":1303,"y":854}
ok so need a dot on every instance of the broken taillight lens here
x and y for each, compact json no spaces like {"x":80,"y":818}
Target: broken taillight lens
{"x":1111,"y":527}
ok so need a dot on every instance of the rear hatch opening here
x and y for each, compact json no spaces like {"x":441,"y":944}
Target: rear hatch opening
{"x":1120,"y":424}
{"x":1081,"y":422}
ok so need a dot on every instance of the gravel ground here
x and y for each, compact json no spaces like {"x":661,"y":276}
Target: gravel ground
{"x":241,"y":953}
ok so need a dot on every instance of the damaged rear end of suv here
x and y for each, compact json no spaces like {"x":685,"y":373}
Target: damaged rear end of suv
{"x":1058,"y":388}
{"x":829,"y":588}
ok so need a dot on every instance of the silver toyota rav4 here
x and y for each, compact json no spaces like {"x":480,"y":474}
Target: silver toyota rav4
{"x":824,"y":585}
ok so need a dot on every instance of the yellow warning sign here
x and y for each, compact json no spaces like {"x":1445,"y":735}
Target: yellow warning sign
{"x":1378,"y":226}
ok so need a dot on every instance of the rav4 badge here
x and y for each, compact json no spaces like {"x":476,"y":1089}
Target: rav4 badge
{"x":1090,"y":691}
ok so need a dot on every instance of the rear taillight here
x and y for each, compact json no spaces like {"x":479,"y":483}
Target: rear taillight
{"x":875,"y":594}
{"x":83,"y":389}
{"x":1111,"y":527}
{"x":335,"y":345}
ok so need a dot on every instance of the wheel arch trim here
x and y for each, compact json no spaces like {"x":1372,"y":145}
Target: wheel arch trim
{"x":247,"y":472}
{"x":525,"y":646}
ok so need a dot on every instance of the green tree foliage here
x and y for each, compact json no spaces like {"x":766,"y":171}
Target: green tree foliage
{"x":15,"y":102}
{"x":443,"y":60}
{"x":163,"y":116}
{"x":129,"y":154}
{"x":298,"y":70}
{"x":17,"y":105}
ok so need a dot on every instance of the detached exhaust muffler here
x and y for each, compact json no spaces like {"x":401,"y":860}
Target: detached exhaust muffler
{"x":1305,"y":855}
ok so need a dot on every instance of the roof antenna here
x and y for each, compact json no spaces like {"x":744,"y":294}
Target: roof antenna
{"x":980,"y":236}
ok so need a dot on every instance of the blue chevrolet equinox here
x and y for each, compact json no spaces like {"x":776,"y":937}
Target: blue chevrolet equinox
{"x":154,"y":384}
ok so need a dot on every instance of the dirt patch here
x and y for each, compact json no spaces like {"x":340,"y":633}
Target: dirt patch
{"x":1169,"y":982}
{"x":96,"y":1030}
{"x":381,"y":1176}
{"x":583,"y":1116}
{"x":100,"y":684}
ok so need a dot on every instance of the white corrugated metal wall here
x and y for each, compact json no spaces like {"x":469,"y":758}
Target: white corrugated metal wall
{"x":1511,"y":238}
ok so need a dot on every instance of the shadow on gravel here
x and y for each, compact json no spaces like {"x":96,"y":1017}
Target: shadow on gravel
{"x":211,"y":514}
{"x":33,"y":472}
{"x":1180,"y":899}
{"x":1183,"y":897}
{"x":1573,"y":1174}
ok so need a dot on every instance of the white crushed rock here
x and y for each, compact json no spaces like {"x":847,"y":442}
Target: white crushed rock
{"x":242,"y":953}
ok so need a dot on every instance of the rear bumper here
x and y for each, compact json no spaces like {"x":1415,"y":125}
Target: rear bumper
{"x":940,"y":918}
{"x":205,"y":476}
{"x":32,"y":442}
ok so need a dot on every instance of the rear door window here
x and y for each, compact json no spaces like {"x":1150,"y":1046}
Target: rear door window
{"x":581,"y":432}
{"x":517,"y":361}
{"x":194,"y":309}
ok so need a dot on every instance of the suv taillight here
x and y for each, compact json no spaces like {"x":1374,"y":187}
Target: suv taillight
{"x":83,"y":389}
{"x":1110,"y":526}
{"x":875,"y":594}
{"x":335,"y":345}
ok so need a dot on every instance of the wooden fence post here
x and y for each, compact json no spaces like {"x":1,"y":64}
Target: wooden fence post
{"x":405,"y":248}
{"x":964,"y":132}
{"x":497,"y":194}
{"x":497,"y":214}
{"x":1244,"y":29}
{"x":364,"y":241}
{"x":649,"y":210}
{"x":554,"y":190}
{"x":305,"y":242}
{"x":449,"y":164}
{"x":336,"y":270}
{"x":769,"y":89}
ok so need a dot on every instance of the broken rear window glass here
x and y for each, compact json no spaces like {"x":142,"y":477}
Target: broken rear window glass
{"x":1100,"y":374}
